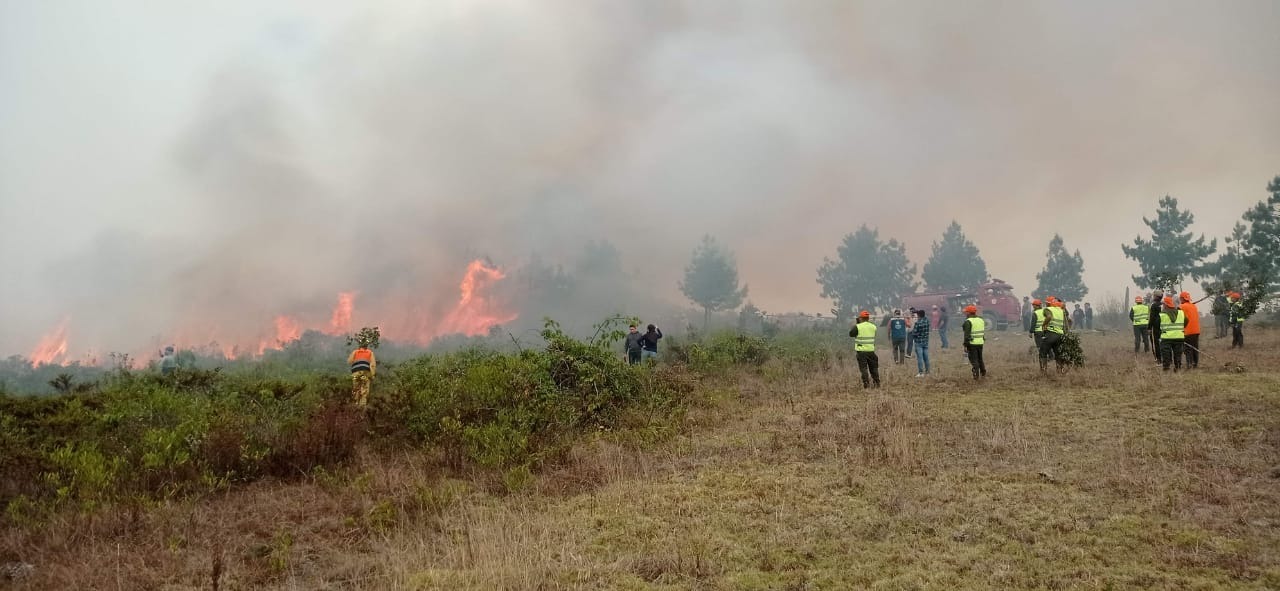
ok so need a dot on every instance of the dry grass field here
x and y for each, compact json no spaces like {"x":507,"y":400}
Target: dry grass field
{"x":1114,"y":476}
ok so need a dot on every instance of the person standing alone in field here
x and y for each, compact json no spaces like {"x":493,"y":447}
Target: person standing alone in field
{"x":975,"y":333}
{"x":864,"y":346}
{"x":898,"y":337}
{"x":168,"y":361}
{"x":1191,"y":344}
{"x":1140,"y":314}
{"x":633,"y":345}
{"x":920,"y":337}
{"x":363,"y":367}
{"x":649,"y":343}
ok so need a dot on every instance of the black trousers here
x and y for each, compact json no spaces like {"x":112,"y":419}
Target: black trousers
{"x":899,"y":352}
{"x":1050,"y":344}
{"x":1171,"y":352}
{"x":975,"y":360}
{"x":1039,"y":339}
{"x":1220,"y":323}
{"x":1192,"y":349}
{"x":1141,"y":338}
{"x":869,"y":363}
{"x":1155,"y":342}
{"x":633,"y":357}
{"x":1237,"y":335}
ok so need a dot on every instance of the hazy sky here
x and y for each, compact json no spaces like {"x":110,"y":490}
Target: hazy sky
{"x":161,"y":160}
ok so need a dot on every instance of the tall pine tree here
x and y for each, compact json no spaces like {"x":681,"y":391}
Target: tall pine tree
{"x":1062,"y":275}
{"x":1172,"y":253}
{"x":711,"y":279}
{"x":955,"y":263}
{"x":867,"y":273}
{"x":1258,"y":267}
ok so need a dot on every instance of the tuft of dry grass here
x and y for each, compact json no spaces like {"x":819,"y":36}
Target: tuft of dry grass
{"x":1116,"y":476}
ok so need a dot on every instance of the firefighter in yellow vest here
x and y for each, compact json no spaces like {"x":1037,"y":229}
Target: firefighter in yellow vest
{"x":1054,"y":327}
{"x":1037,"y":323}
{"x":1173,"y":323}
{"x":363,"y":367}
{"x":975,"y":333}
{"x":864,"y":346}
{"x":1140,"y":314}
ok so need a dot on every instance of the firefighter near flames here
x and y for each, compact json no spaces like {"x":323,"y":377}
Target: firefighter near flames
{"x":363,"y":363}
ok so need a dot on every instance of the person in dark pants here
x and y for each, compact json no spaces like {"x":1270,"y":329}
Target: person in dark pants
{"x":1037,"y":323}
{"x":634,"y":346}
{"x":1028,"y":315}
{"x":975,"y":333}
{"x":911,"y":321}
{"x":1088,"y":316}
{"x":1153,"y":324}
{"x":1236,"y":319}
{"x":920,"y":335}
{"x":1140,"y":315}
{"x":1221,"y":311}
{"x":1172,"y":324}
{"x":864,"y":346}
{"x":1192,"y":332}
{"x":1055,"y":325}
{"x":898,"y":336}
{"x":943,"y":323}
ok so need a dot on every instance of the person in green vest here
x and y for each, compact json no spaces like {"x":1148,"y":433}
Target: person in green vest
{"x":1037,"y":323}
{"x":975,"y":333}
{"x":1173,"y":323}
{"x":1055,"y":325}
{"x":1140,"y":315}
{"x":864,"y":346}
{"x":1236,"y":319}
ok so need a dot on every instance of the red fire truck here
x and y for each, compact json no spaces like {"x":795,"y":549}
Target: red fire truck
{"x":995,"y":301}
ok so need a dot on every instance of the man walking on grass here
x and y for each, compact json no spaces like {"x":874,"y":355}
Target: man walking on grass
{"x":1173,"y":323}
{"x":864,"y":346}
{"x":1140,"y":315}
{"x":920,"y":337}
{"x":975,"y":332}
{"x":1054,"y":327}
{"x":363,"y":368}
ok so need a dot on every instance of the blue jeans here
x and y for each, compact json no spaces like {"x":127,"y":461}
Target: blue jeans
{"x":922,"y":357}
{"x":647,"y":355}
{"x":942,"y":335}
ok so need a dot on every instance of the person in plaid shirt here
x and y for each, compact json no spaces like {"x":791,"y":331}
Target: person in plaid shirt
{"x":920,"y":336}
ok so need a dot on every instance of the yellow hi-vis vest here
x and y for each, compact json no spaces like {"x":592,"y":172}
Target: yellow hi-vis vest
{"x":865,"y":342}
{"x":1038,"y":325}
{"x":977,"y":330}
{"x":1171,"y":326}
{"x":1141,"y":314}
{"x":1057,"y":322}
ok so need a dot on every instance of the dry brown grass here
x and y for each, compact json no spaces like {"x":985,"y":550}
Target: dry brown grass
{"x":1113,"y":477}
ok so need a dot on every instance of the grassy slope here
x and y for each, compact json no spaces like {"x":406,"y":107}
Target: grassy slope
{"x":1116,"y":476}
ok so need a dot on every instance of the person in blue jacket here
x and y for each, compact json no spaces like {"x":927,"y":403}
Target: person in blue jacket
{"x":898,"y":336}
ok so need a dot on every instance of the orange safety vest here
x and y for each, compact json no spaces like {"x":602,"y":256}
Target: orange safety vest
{"x":361,"y":360}
{"x":1193,"y":318}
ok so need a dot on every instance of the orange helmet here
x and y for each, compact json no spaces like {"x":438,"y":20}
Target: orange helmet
{"x":1185,"y":296}
{"x":1035,"y":302}
{"x":864,"y":314}
{"x":1235,"y":295}
{"x":970,"y":309}
{"x":1168,"y":301}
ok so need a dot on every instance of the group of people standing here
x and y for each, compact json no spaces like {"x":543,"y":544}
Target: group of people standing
{"x":642,"y":346}
{"x":1170,"y":329}
{"x":913,"y":338}
{"x":1048,"y":326}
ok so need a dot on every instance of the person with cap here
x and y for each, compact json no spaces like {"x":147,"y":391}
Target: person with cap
{"x":633,"y":345}
{"x":1153,"y":323}
{"x":898,"y":336}
{"x":649,"y":343}
{"x":975,"y":333}
{"x":1173,"y":323}
{"x":1191,"y":344}
{"x":864,"y":346}
{"x":168,"y":361}
{"x":920,"y":336}
{"x":1054,"y":327}
{"x":1236,"y":319}
{"x":1037,"y":323}
{"x":363,"y":367}
{"x":1140,"y":314}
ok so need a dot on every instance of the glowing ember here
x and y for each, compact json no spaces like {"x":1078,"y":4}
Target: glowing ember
{"x":475,"y":312}
{"x":340,"y":323}
{"x":53,"y":346}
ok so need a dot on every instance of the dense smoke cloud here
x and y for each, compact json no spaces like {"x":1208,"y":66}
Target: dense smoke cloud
{"x":323,"y":149}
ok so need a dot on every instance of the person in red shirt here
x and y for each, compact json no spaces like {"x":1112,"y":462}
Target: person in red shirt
{"x":1192,"y":346}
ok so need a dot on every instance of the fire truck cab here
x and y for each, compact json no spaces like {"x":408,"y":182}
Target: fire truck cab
{"x":995,"y":301}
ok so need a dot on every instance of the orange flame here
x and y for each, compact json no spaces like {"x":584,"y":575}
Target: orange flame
{"x":53,"y":346}
{"x":340,"y":322}
{"x":475,"y":313}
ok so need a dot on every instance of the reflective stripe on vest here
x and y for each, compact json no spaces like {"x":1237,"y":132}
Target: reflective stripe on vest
{"x":1039,"y":323}
{"x":865,"y":342}
{"x":1141,"y":314}
{"x":1171,"y":326}
{"x":977,"y":330}
{"x":361,"y":360}
{"x":1057,"y":324}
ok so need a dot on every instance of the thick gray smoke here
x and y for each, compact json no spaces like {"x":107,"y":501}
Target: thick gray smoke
{"x":161,"y":176}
